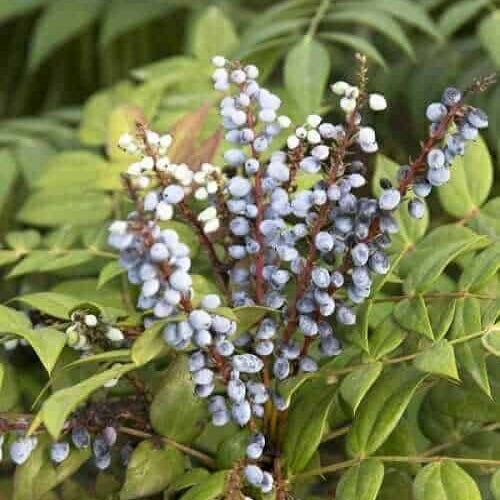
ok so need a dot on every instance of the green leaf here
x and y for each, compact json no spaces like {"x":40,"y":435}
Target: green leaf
{"x":307,"y":418}
{"x":150,"y":343}
{"x":439,"y":359}
{"x":459,"y":13}
{"x":150,"y":470}
{"x":23,"y":240}
{"x":469,"y":354}
{"x":356,"y":384}
{"x":202,"y":286}
{"x":481,"y":269}
{"x":61,"y":21}
{"x":8,"y":257}
{"x":212,"y":487}
{"x":470,"y":183}
{"x":487,"y":221}
{"x":361,"y":482}
{"x":397,"y":484}
{"x":213,"y":34}
{"x":249,"y":316}
{"x":410,"y":229}
{"x":435,"y":252}
{"x":441,"y":313}
{"x":12,"y":320}
{"x":495,"y":485}
{"x":8,"y":177}
{"x":378,"y":21}
{"x":176,"y":411}
{"x":412,"y":315}
{"x":190,"y":478}
{"x":59,"y":405}
{"x":307,"y":67}
{"x":44,"y":208}
{"x":381,"y":410}
{"x":387,"y":337}
{"x":122,"y":17}
{"x":489,"y":35}
{"x":232,"y":449}
{"x":491,"y":341}
{"x":15,"y":8}
{"x":30,"y":264}
{"x":108,"y":272}
{"x":53,"y":304}
{"x":444,"y":481}
{"x":73,"y":171}
{"x":356,"y":43}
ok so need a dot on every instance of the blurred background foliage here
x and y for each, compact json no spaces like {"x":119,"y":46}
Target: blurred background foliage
{"x":77,"y":73}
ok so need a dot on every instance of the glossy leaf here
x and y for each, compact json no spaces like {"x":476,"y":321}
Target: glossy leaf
{"x":444,"y":481}
{"x":361,"y":482}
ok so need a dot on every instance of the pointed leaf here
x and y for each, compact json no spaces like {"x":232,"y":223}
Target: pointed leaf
{"x":53,"y":304}
{"x":489,"y":35}
{"x":491,"y":341}
{"x":412,"y":315}
{"x":212,"y":487}
{"x":361,"y":482}
{"x":439,"y":359}
{"x":355,"y":385}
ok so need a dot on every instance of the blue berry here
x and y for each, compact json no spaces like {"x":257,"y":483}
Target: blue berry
{"x":254,"y":475}
{"x":80,"y":437}
{"x":416,"y":208}
{"x":389,"y":199}
{"x":247,"y":363}
{"x":436,"y":112}
{"x":241,"y":413}
{"x":324,"y":241}
{"x":451,"y":96}
{"x":173,"y":194}
{"x":59,"y":452}
{"x":477,"y":118}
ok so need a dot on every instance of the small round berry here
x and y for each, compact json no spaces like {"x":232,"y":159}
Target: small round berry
{"x":211,"y":301}
{"x":451,"y":96}
{"x":254,"y":475}
{"x":477,"y":118}
{"x":389,"y":199}
{"x":416,"y":208}
{"x":90,"y":320}
{"x":377,"y":102}
{"x":436,"y":112}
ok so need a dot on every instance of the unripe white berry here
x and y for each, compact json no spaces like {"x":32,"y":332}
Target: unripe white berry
{"x":292,"y":142}
{"x":313,"y":120}
{"x":90,"y":320}
{"x":377,"y":102}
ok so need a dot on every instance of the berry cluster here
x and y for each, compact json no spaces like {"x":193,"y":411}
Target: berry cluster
{"x":309,"y":254}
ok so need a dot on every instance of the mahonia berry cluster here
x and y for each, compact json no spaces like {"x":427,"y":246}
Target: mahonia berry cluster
{"x":310,"y":255}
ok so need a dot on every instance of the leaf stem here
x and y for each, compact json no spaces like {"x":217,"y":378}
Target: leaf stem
{"x":318,"y":17}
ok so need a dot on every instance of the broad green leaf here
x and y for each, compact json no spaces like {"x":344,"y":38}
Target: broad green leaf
{"x":30,"y":264}
{"x":410,"y":229}
{"x":470,"y":183}
{"x":257,"y":35}
{"x":213,"y":33}
{"x":291,"y":385}
{"x":59,"y":405}
{"x":176,"y":411}
{"x":15,"y":8}
{"x":435,"y":252}
{"x":495,"y":485}
{"x":361,"y":482}
{"x":72,"y":171}
{"x":48,"y":344}
{"x":444,"y":481}
{"x":387,"y":337}
{"x":150,"y":343}
{"x":376,"y":20}
{"x":23,"y":240}
{"x":190,"y":478}
{"x":491,"y":341}
{"x":412,"y":315}
{"x":123,"y":17}
{"x":108,"y":272}
{"x":356,"y":43}
{"x":12,"y":320}
{"x":65,"y":260}
{"x":8,"y":176}
{"x":232,"y":449}
{"x":459,"y":13}
{"x":397,"y":484}
{"x":489,"y":35}
{"x":61,"y":21}
{"x":121,"y":121}
{"x":202,"y":286}
{"x":8,"y":257}
{"x":10,"y":389}
{"x":487,"y":221}
{"x":441,"y":313}
{"x":53,"y":304}
{"x":481,"y":269}
{"x":356,"y":384}
{"x":44,"y":208}
{"x":381,"y":410}
{"x":439,"y":359}
{"x":212,"y":487}
{"x":307,"y":418}
{"x":150,"y":470}
{"x":469,"y":354}
{"x":307,"y":67}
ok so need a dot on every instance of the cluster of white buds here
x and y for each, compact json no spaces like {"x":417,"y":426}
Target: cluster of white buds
{"x":349,"y":96}
{"x":207,"y":179}
{"x":208,"y":217}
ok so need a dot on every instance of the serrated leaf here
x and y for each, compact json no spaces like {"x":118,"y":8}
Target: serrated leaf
{"x":213,"y":34}
{"x":306,"y":71}
{"x":439,"y":359}
{"x":470,"y":183}
{"x":412,"y":315}
{"x":435,"y":252}
{"x":59,"y":405}
{"x":44,"y":208}
{"x":61,"y":21}
{"x":150,"y":470}
{"x":489,"y":35}
{"x":176,"y":411}
{"x":381,"y":409}
{"x":53,"y":304}
{"x":212,"y":487}
{"x":470,"y":355}
{"x":459,"y":13}
{"x":444,"y":481}
{"x":356,"y":384}
{"x":361,"y":482}
{"x":307,"y":418}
